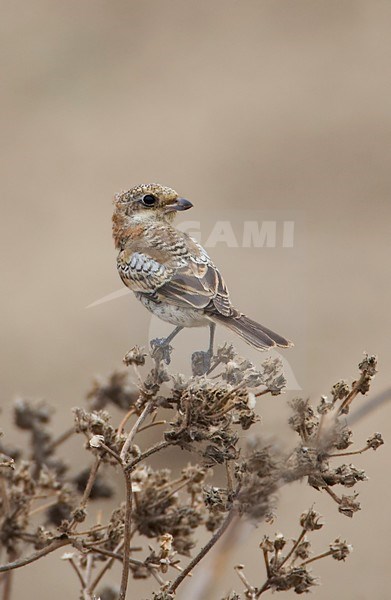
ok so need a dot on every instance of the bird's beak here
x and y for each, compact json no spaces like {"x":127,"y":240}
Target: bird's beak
{"x":179,"y":204}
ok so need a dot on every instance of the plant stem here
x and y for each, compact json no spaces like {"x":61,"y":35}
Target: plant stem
{"x":105,"y":567}
{"x":331,"y":493}
{"x":352,"y":453}
{"x":4,"y":495}
{"x":77,"y":571}
{"x":93,"y":529}
{"x":297,"y":542}
{"x":153,"y":424}
{"x":116,"y":556}
{"x":318,"y":557}
{"x":127,"y":535}
{"x":230,"y":482}
{"x":90,"y":482}
{"x":244,"y":580}
{"x":262,"y":392}
{"x":111,"y":452}
{"x":267,"y":564}
{"x":194,"y":562}
{"x":87,"y":489}
{"x":21,"y":562}
{"x":121,"y":426}
{"x":43,"y":507}
{"x":61,"y":439}
{"x":147,"y":453}
{"x":7,"y":586}
{"x":344,"y":408}
{"x":7,"y":581}
{"x":264,"y":588}
{"x":129,"y":440}
{"x":169,"y":495}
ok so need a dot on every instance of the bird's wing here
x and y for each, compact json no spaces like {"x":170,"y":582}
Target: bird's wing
{"x":197,"y":285}
{"x":141,"y":273}
{"x":188,"y":279}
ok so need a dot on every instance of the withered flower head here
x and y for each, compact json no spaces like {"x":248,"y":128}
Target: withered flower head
{"x":115,"y":389}
{"x":310,"y":520}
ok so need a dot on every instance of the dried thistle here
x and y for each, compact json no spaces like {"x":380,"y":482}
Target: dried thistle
{"x":45,"y":507}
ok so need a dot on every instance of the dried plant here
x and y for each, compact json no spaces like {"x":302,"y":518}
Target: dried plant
{"x":43,"y":507}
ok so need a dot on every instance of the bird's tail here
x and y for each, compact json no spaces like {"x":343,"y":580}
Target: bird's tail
{"x":252,"y":332}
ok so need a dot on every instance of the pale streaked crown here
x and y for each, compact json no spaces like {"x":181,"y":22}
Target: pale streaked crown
{"x":163,"y":193}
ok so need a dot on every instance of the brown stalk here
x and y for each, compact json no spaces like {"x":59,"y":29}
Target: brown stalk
{"x":87,"y":489}
{"x":21,"y":562}
{"x":129,"y":440}
{"x":127,"y":532}
{"x":208,"y":546}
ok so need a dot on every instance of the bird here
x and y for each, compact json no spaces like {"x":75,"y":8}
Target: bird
{"x":172,"y":274}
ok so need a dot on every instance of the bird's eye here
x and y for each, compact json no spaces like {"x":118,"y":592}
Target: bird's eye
{"x":149,"y":200}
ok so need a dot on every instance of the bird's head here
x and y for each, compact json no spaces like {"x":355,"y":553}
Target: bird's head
{"x":145,"y":202}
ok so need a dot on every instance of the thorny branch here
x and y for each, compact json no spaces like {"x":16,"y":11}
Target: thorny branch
{"x":42,"y":505}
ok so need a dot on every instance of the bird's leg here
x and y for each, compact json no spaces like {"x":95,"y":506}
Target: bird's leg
{"x":161,"y":348}
{"x":212,"y":330}
{"x":201,"y":361}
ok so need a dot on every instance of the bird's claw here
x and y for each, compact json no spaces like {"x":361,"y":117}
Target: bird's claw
{"x":200,"y":362}
{"x":161,"y":350}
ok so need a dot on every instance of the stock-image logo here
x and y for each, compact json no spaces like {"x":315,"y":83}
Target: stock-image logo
{"x":251,"y":234}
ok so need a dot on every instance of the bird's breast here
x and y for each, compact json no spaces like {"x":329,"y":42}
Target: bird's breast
{"x":176,"y":315}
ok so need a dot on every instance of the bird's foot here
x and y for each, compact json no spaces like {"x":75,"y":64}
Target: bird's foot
{"x":161,"y":350}
{"x":201,"y":362}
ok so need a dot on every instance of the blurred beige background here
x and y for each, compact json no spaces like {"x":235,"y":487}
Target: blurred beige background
{"x":280,"y":110}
